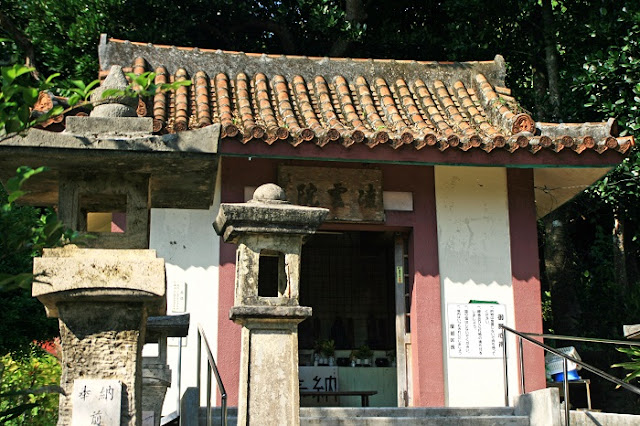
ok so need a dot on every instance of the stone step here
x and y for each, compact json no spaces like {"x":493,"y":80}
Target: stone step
{"x":430,"y":421}
{"x":374,"y":416}
{"x":404,"y":411}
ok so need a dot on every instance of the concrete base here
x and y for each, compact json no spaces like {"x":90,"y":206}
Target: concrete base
{"x":541,"y":406}
{"x":269,"y":383}
{"x":591,"y":418}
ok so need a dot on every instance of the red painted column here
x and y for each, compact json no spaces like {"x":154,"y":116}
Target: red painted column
{"x":525,"y":271}
{"x":426,"y":313}
{"x":427,"y":366}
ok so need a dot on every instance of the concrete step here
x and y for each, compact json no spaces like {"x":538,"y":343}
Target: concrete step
{"x":404,"y":411}
{"x":374,"y":416}
{"x":436,"y":416}
{"x":430,"y":421}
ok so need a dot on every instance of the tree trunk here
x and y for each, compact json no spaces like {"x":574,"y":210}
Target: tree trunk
{"x":540,"y":89}
{"x":619,"y":256}
{"x":551,"y":57}
{"x":354,"y":13}
{"x":23,"y":42}
{"x":561,"y":274}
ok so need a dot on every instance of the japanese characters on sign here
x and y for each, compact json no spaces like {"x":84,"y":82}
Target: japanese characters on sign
{"x":96,"y":402}
{"x":353,"y":195}
{"x":319,"y":379}
{"x":473,"y":330}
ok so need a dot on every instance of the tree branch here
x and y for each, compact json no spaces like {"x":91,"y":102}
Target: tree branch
{"x":22,"y":41}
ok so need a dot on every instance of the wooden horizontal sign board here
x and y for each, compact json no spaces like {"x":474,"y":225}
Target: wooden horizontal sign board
{"x":351,"y":195}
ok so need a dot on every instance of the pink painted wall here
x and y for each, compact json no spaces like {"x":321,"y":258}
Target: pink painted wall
{"x":426,"y":315}
{"x":525,"y":271}
{"x":426,"y":326}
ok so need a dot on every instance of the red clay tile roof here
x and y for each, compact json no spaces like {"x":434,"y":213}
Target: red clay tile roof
{"x":261,"y":98}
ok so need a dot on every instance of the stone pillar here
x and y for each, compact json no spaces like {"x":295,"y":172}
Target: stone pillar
{"x":156,"y":378}
{"x":102,"y":299}
{"x":156,"y":374}
{"x":269,"y":232}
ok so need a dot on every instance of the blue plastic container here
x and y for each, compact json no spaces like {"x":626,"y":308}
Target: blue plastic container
{"x":571,"y":375}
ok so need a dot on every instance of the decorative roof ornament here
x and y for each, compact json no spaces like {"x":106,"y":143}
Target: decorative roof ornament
{"x":113,"y":106}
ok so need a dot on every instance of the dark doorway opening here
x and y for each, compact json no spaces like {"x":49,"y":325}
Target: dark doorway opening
{"x":347,"y":278}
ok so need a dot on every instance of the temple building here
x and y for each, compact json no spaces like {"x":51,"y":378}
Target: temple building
{"x":434,"y":177}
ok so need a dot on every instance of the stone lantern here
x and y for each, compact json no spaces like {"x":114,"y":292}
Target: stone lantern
{"x":269,"y":232}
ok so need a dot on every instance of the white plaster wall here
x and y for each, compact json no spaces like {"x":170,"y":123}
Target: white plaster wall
{"x":191,"y":249}
{"x":475,"y":263}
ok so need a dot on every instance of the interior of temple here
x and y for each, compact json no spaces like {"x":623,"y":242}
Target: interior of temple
{"x":347,"y":278}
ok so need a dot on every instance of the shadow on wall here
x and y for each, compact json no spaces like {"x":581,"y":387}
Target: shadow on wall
{"x":185,"y":238}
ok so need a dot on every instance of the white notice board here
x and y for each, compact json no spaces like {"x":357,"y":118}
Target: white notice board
{"x":473,"y":330}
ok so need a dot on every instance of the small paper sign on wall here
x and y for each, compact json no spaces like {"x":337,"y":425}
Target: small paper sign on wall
{"x":473,"y":330}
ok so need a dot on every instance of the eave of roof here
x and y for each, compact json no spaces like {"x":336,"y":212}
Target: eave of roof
{"x":266,"y":101}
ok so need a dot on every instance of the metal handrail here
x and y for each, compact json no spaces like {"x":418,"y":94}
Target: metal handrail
{"x":211,"y":367}
{"x":582,"y":339}
{"x":565,"y":358}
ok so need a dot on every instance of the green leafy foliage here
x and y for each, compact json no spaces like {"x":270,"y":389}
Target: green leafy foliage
{"x":24,"y":232}
{"x":144,"y":85}
{"x":632,"y":366}
{"x":19,"y":94}
{"x":80,"y":92}
{"x":29,"y":389}
{"x":609,"y":76}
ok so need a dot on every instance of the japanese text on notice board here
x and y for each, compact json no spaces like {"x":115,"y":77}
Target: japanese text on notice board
{"x":473,"y":330}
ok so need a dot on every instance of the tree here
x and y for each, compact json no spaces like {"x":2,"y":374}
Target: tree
{"x":24,"y":232}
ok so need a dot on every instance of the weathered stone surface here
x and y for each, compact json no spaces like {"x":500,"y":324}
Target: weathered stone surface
{"x":260,"y":217}
{"x":268,"y":226}
{"x":594,"y":418}
{"x":167,"y":326}
{"x":113,"y":111}
{"x":203,"y":140}
{"x":101,"y":340}
{"x":269,"y":373}
{"x":181,"y":167}
{"x":541,"y":406}
{"x":71,"y":273}
{"x":109,"y":125}
{"x":189,"y":407}
{"x":250,"y":248}
{"x":102,"y":298}
{"x":81,"y":194}
{"x":114,"y":80}
{"x":269,"y":193}
{"x":249,"y":314}
{"x":97,"y":402}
